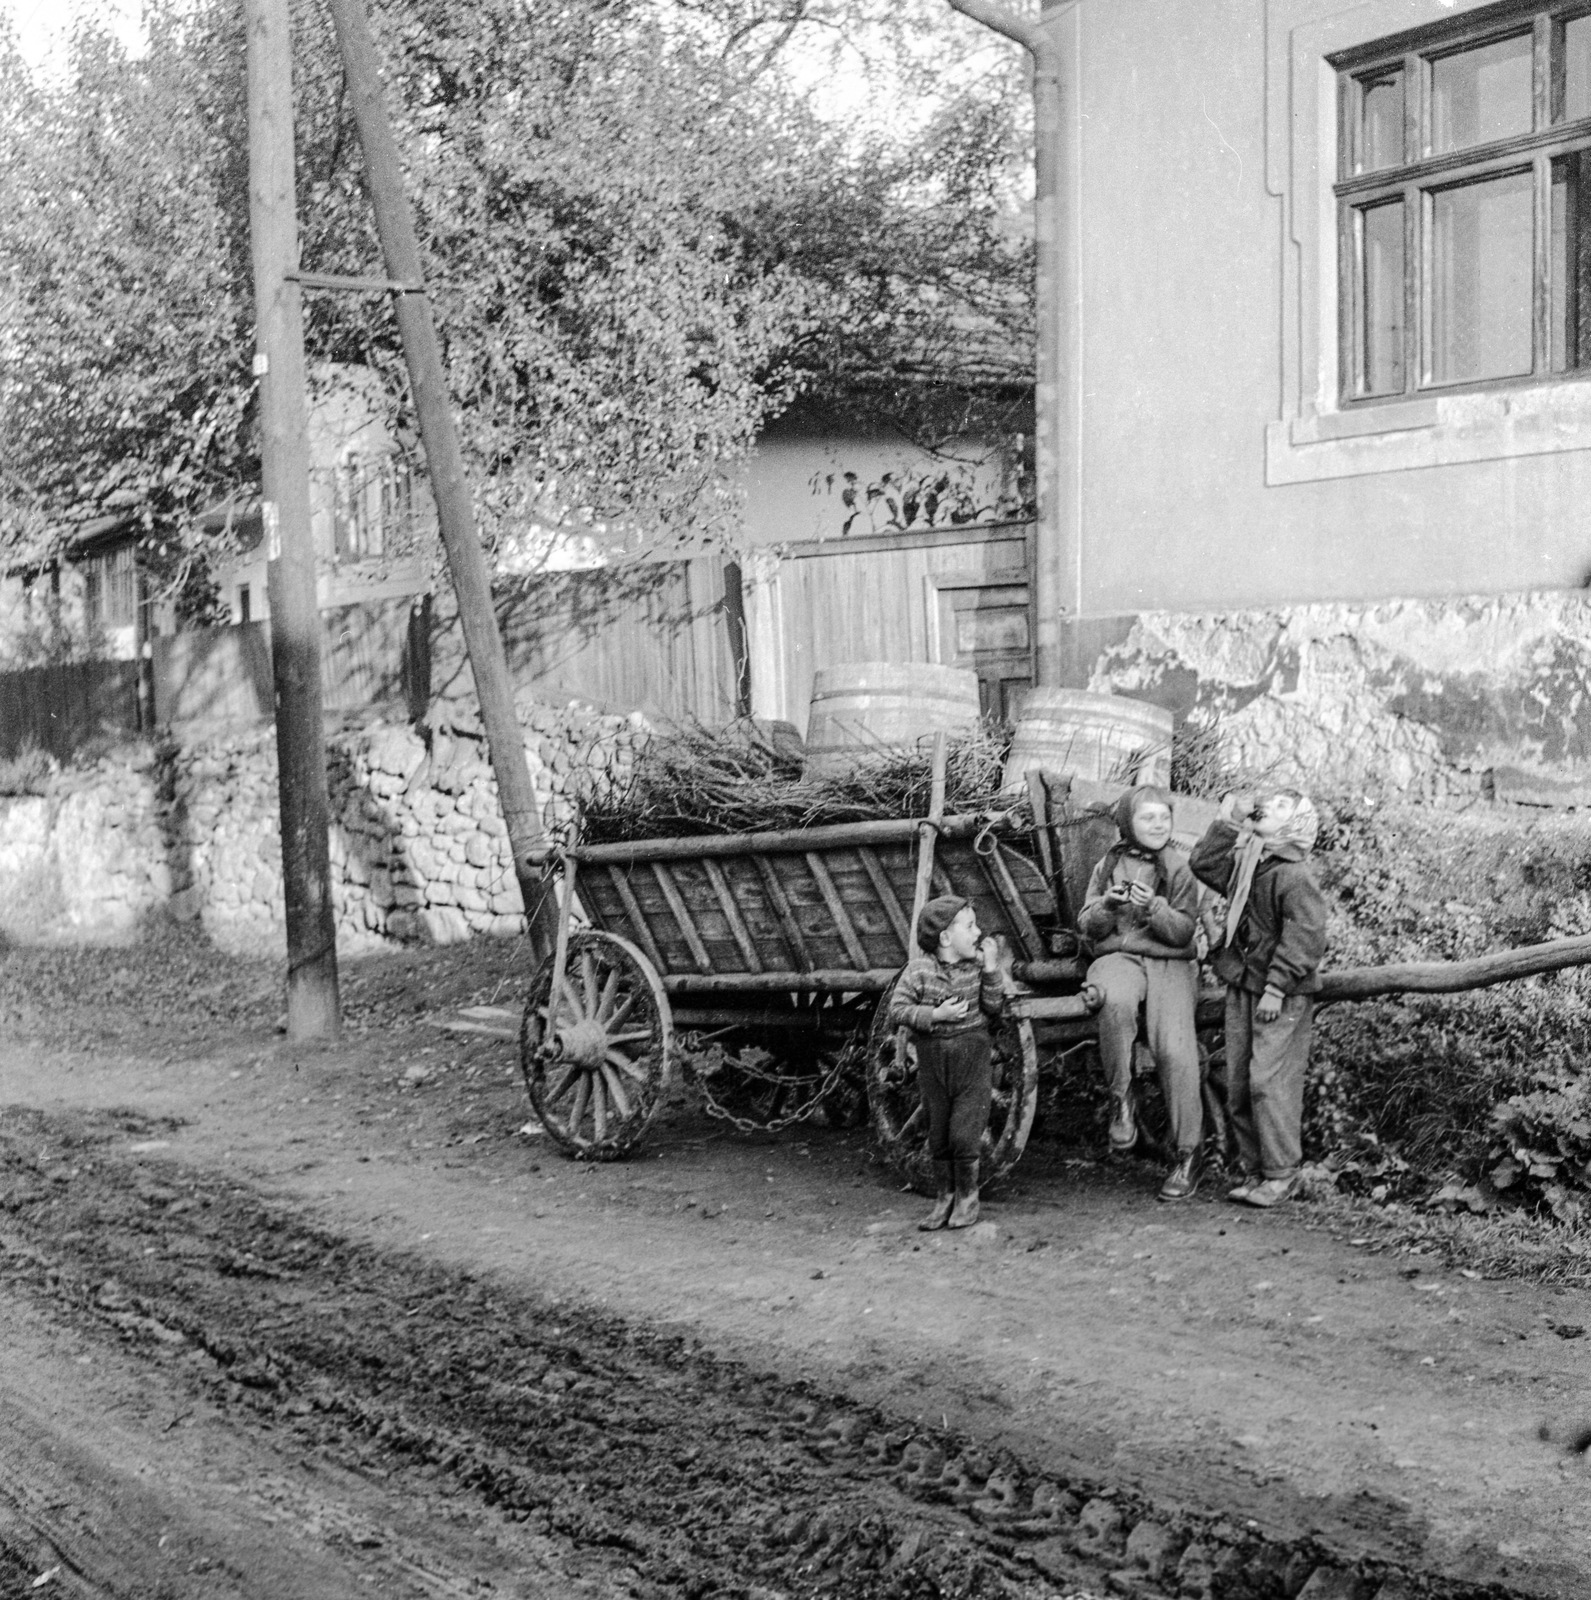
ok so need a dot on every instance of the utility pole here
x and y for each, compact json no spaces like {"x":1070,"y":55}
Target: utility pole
{"x":1059,"y":338}
{"x":455,"y":514}
{"x":312,"y":1004}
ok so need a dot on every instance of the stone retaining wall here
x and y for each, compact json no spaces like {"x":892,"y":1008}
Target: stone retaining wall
{"x":418,"y":846}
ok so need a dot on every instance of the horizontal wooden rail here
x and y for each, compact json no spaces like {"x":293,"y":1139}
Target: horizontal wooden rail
{"x":835,"y":836}
{"x":1051,"y":970}
{"x":799,"y":1019}
{"x":833,"y":980}
{"x":1451,"y":977}
{"x":1049,"y":1007}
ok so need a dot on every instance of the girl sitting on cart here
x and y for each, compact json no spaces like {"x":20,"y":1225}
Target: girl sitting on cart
{"x":1139,"y":920}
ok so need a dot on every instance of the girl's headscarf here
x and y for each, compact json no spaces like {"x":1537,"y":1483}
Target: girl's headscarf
{"x":1125,"y":813}
{"x":1291,"y":842}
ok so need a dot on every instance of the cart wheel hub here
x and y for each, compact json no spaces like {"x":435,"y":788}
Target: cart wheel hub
{"x":585,"y":1044}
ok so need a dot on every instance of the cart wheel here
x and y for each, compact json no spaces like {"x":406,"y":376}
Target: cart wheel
{"x":596,"y":1058}
{"x":897,"y":1114}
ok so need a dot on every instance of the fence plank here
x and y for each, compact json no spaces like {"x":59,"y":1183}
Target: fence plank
{"x":61,"y":708}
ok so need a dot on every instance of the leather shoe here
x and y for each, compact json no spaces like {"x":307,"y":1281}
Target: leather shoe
{"x":1241,"y":1189}
{"x":1272,"y":1192}
{"x":1183,"y":1179}
{"x":944,"y":1172}
{"x":1123,"y":1122}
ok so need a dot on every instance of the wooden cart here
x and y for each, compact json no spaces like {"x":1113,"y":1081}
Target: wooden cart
{"x":788,"y":933}
{"x":804,"y":933}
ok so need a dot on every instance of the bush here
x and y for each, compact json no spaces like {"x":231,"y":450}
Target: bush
{"x":1541,"y":1155}
{"x":29,"y":772}
{"x":1456,"y":1082}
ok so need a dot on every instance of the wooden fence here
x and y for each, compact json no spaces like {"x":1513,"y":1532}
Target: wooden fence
{"x":665,"y":638}
{"x":959,"y":596}
{"x":62,"y":708}
{"x":370,"y":654}
{"x":651,"y":637}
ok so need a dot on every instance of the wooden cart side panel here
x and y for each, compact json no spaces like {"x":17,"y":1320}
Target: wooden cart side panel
{"x":870,"y":926}
{"x":959,"y":870}
{"x":846,"y":906}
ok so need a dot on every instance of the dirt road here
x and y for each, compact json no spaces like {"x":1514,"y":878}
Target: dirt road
{"x":322,"y":1323}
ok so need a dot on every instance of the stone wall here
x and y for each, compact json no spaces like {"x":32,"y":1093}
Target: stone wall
{"x":418,"y":846}
{"x":1425,"y":698}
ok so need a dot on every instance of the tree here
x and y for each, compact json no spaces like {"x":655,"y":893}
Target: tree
{"x":641,"y":239}
{"x":124,"y":365}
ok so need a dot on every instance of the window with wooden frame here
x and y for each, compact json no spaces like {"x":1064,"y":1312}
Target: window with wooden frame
{"x":110,"y":588}
{"x":1464,"y":204}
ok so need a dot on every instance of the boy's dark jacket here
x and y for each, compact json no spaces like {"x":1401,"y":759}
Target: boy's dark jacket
{"x":1282,"y":936}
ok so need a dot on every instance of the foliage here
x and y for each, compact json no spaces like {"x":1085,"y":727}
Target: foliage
{"x":1541,"y":1153}
{"x":28,"y":772}
{"x":943,"y":496}
{"x":745,"y":780}
{"x":641,"y":242}
{"x":50,"y":632}
{"x":1484,"y":1085}
{"x":124,"y":386}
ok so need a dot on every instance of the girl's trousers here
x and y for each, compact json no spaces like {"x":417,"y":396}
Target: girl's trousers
{"x":1167,"y":991}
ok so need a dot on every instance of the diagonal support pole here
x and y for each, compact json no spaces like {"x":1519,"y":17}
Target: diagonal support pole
{"x":466,"y":561}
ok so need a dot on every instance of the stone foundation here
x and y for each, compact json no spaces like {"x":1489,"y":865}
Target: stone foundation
{"x":419,"y":851}
{"x":1423,"y":698}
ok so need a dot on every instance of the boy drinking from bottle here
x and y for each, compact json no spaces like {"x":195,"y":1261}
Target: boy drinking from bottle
{"x":1257,"y":855}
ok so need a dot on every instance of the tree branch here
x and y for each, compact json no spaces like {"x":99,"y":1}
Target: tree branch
{"x":995,"y":16}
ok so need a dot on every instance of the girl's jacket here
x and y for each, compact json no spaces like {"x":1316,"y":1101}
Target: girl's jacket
{"x":1163,"y":930}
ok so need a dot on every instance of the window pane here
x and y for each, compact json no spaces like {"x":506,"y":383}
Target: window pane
{"x":1481,"y":95}
{"x":1571,"y":263}
{"x":1577,"y":68}
{"x":1381,"y":119}
{"x":1481,"y":254}
{"x":1381,"y":299}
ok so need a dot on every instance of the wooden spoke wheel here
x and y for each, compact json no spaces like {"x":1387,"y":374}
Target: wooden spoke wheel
{"x":595,"y":1047}
{"x":899,"y":1123}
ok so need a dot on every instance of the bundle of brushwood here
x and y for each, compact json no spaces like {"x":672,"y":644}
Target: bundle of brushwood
{"x":694,"y":780}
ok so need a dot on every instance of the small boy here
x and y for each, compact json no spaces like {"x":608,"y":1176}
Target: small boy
{"x":1139,"y":919}
{"x":1256,"y":854}
{"x":947,"y":996}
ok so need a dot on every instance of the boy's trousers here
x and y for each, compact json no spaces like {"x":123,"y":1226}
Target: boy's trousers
{"x":1168,"y":992}
{"x":1264,"y":1081}
{"x":955,"y":1080}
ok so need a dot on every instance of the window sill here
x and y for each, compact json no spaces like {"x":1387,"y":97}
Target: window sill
{"x":1431,"y":431}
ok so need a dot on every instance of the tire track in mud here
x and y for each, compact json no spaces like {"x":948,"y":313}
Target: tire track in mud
{"x":700,"y":1476}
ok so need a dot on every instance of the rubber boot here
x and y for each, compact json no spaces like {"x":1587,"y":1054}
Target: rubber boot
{"x":945,"y":1173}
{"x":965,"y":1211}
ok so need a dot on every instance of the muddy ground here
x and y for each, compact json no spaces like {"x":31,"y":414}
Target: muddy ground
{"x":281,"y":1322}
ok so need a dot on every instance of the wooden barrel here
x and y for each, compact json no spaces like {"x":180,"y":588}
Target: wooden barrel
{"x":865,"y":708}
{"x":1103,"y":737}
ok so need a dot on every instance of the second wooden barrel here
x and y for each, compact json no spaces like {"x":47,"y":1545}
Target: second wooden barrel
{"x":865,"y":708}
{"x":1104,"y":737}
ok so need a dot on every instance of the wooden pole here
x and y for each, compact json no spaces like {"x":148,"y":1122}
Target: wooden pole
{"x":455,"y":513}
{"x":735,"y":627}
{"x":1453,"y":977}
{"x":312,"y":1002}
{"x":928,"y":837}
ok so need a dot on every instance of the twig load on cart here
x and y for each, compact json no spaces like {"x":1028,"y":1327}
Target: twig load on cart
{"x":682,"y":908}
